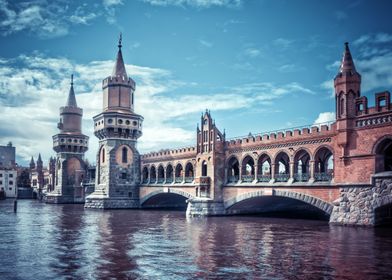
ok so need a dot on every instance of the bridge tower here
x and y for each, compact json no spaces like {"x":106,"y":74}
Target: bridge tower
{"x":117,"y":127}
{"x":347,"y":85}
{"x":209,"y":177}
{"x":70,"y":144}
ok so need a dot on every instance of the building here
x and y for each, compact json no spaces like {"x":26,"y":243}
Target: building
{"x":70,"y":144}
{"x":8,"y":171}
{"x":117,"y":127}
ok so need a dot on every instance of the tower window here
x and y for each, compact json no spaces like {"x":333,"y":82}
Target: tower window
{"x":103,"y":155}
{"x":342,"y":106}
{"x":204,"y":169}
{"x":382,"y":103}
{"x":123,"y":175}
{"x":124,"y":155}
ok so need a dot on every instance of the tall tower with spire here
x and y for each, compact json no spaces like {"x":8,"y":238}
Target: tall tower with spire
{"x":70,"y":144}
{"x":347,"y":85}
{"x":117,"y":127}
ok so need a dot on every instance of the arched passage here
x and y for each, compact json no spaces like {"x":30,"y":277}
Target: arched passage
{"x":172,"y":199}
{"x":282,"y":167}
{"x":189,"y":173}
{"x":323,"y":164}
{"x":145,"y":175}
{"x":179,"y":174}
{"x":293,"y":204}
{"x":383,"y":151}
{"x":153,"y":175}
{"x":248,"y":169}
{"x":264,"y":170}
{"x":161,"y":174}
{"x":301,"y":166}
{"x":169,"y":174}
{"x":233,"y":170}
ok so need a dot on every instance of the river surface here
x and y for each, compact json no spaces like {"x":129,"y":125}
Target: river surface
{"x":68,"y":242}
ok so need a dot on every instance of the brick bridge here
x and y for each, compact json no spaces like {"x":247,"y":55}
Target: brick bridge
{"x":340,"y":170}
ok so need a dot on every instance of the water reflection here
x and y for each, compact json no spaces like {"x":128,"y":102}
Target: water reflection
{"x":68,"y":242}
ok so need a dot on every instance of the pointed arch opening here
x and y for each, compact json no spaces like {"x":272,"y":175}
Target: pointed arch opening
{"x":179,"y":174}
{"x":169,"y":174}
{"x":153,"y":175}
{"x":282,"y":167}
{"x":301,"y":166}
{"x":264,"y":170}
{"x":161,"y":174}
{"x":204,"y":168}
{"x":145,"y":175}
{"x":323,"y":165}
{"x":189,"y":173}
{"x":248,"y":169}
{"x":124,"y":155}
{"x":383,"y":153}
{"x":233,"y":170}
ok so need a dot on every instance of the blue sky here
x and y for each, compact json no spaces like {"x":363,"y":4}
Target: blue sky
{"x":257,"y":65}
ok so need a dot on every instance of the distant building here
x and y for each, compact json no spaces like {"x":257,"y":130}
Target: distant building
{"x":8,"y":172}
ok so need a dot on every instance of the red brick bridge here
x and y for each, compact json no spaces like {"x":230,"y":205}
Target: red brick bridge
{"x":340,"y":170}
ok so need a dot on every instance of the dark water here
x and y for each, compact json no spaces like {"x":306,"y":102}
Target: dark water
{"x":67,"y":242}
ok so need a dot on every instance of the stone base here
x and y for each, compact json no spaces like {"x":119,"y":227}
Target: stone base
{"x":198,"y":207}
{"x":99,"y":201}
{"x":62,"y":199}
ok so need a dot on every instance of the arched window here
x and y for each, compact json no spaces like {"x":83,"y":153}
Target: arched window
{"x":384,"y":156}
{"x":323,"y":165}
{"x":124,"y":155}
{"x":282,"y":170}
{"x":248,"y":169}
{"x":204,"y":168}
{"x":233,"y":171}
{"x":342,"y":106}
{"x":301,"y":166}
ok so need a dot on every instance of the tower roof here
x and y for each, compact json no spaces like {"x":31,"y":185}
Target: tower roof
{"x":347,"y":66}
{"x":39,"y":158}
{"x":32,"y":161}
{"x":71,"y":101}
{"x":119,"y":67}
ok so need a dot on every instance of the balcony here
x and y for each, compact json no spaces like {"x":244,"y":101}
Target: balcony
{"x":263,"y":178}
{"x":282,"y":177}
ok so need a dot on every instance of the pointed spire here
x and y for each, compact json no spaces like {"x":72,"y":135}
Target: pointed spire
{"x":32,"y":161}
{"x":347,"y":66}
{"x":119,"y":67}
{"x":71,"y":101}
{"x":39,"y":160}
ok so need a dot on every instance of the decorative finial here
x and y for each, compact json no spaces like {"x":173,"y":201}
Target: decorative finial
{"x":346,"y":45}
{"x":71,"y":79}
{"x":120,"y":41}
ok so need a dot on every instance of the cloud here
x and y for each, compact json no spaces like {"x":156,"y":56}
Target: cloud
{"x":110,"y":7}
{"x":33,"y":87}
{"x":205,"y":43}
{"x":283,"y":43}
{"x":325,"y":117}
{"x":288,"y":68}
{"x":252,"y":52}
{"x":196,"y":3}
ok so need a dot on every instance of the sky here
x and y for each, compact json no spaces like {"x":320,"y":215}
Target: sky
{"x":258,"y":65}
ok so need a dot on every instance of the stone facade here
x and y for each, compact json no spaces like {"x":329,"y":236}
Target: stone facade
{"x":70,"y":144}
{"x":118,"y":127}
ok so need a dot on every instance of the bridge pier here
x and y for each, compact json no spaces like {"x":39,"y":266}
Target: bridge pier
{"x":358,"y":205}
{"x":199,"y":207}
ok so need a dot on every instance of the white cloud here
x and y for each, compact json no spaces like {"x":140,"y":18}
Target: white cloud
{"x":325,"y":117}
{"x":329,"y":86}
{"x":205,"y":43}
{"x":252,"y":52}
{"x":283,"y":43}
{"x":196,"y":3}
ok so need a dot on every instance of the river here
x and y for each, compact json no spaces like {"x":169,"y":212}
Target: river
{"x":45,"y":241}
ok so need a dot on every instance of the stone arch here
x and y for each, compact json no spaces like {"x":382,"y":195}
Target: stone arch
{"x":323,"y":159}
{"x":264,"y":170}
{"x":161,"y":174}
{"x":171,"y":190}
{"x":248,"y":168}
{"x":316,"y":202}
{"x":169,"y":173}
{"x":282,"y":166}
{"x":179,"y":173}
{"x":302,"y":159}
{"x":145,"y":174}
{"x":382,"y":149}
{"x":153,"y":174}
{"x":233,"y":169}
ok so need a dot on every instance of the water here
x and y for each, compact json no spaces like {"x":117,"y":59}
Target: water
{"x":67,"y":242}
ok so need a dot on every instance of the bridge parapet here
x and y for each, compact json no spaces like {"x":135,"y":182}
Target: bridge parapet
{"x":169,"y":154}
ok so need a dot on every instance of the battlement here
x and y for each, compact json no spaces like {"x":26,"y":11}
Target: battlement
{"x":292,"y":134}
{"x":382,"y":104}
{"x":173,"y":153}
{"x":122,"y":80}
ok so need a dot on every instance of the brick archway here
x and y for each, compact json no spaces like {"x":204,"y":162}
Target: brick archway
{"x":162,"y":191}
{"x":316,"y":202}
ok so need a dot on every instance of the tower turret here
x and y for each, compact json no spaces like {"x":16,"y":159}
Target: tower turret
{"x":32,"y":164}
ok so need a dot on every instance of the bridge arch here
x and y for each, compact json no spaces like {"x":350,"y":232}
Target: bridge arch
{"x":248,"y":168}
{"x":282,"y":166}
{"x":156,"y":193}
{"x":233,"y":169}
{"x":322,"y":205}
{"x":302,"y":159}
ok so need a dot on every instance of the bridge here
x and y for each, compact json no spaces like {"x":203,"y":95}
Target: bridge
{"x":341,"y":171}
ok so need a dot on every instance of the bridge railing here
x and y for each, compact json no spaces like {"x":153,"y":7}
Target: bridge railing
{"x":282,"y":177}
{"x":304,"y":177}
{"x":263,"y":178}
{"x":178,"y":180}
{"x":233,"y":179}
{"x":160,"y":180}
{"x":153,"y":180}
{"x":189,"y":179}
{"x":247,"y":178}
{"x":322,"y":177}
{"x":169,"y":180}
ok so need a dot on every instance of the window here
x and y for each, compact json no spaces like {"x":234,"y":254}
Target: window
{"x":204,"y":169}
{"x":103,"y":155}
{"x":1,"y":175}
{"x":124,"y":155}
{"x":10,"y":189}
{"x":120,"y":121}
{"x":382,"y":102}
{"x":11,"y":182}
{"x":123,"y":175}
{"x":1,"y":182}
{"x":342,"y":106}
{"x":130,"y":194}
